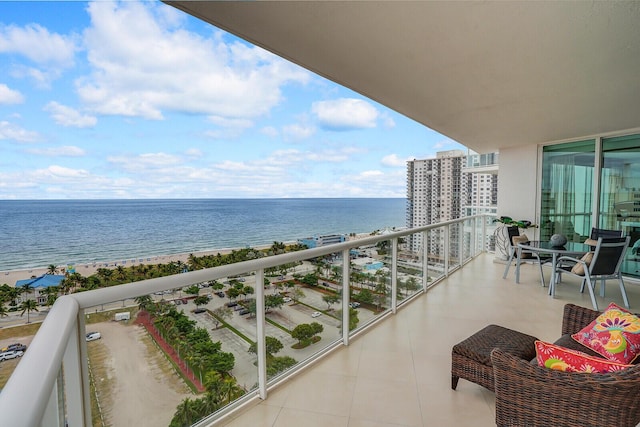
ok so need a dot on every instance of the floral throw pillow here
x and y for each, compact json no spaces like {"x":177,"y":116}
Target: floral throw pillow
{"x":563,"y":359}
{"x":615,"y":334}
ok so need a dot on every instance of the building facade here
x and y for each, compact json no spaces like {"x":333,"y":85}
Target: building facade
{"x":452,"y":185}
{"x":317,"y":241}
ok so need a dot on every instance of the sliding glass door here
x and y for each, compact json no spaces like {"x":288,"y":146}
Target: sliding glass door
{"x":620,"y":193}
{"x":567,"y":190}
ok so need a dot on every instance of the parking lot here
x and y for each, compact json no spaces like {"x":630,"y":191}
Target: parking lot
{"x":288,"y":316}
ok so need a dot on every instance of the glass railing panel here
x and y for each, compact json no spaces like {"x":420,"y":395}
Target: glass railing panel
{"x":370,"y":281}
{"x":410,"y":278}
{"x":466,"y":228}
{"x":192,"y":345}
{"x":435,"y":254}
{"x":137,"y":346}
{"x":309,"y":318}
{"x":455,"y":247}
{"x":483,"y":235}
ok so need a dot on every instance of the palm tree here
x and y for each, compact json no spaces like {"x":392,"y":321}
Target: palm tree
{"x":12,"y":294}
{"x":186,"y":413}
{"x":121,"y":274}
{"x":230,"y":389}
{"x":52,"y":269}
{"x":51,"y":293}
{"x":144,"y":302}
{"x":3,"y":310}
{"x":28,"y":306}
{"x":277,"y":248}
{"x":26,"y":289}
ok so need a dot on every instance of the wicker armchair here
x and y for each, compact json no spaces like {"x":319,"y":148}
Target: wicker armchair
{"x":528,"y":395}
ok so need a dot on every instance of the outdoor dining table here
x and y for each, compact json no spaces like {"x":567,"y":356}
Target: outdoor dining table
{"x":574,"y":249}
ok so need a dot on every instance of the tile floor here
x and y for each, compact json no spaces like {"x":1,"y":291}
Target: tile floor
{"x":398,"y":373}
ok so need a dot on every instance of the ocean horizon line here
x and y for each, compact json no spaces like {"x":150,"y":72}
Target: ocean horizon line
{"x":43,"y":232}
{"x":204,"y":198}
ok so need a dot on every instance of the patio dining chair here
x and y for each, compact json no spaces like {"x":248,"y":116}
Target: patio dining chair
{"x":514,"y":234}
{"x":603,"y":232}
{"x":603,"y":263}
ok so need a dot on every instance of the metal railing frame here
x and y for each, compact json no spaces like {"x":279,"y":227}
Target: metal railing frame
{"x":33,"y":394}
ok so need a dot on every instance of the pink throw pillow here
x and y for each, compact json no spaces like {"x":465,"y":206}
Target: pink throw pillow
{"x":615,"y":334}
{"x":555,"y":357}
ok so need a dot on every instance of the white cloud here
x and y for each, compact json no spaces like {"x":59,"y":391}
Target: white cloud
{"x":393,"y":160}
{"x":447,"y":144}
{"x":298,"y":132}
{"x":194,"y":152}
{"x":345,"y":114}
{"x":376,"y":183}
{"x":231,"y":122}
{"x":10,"y":96}
{"x":145,"y":161}
{"x":12,"y":132}
{"x":387,"y":121}
{"x":64,"y":151}
{"x":50,"y":52}
{"x":269,"y":131}
{"x":38,"y":44}
{"x":54,"y":174}
{"x":144,"y":65}
{"x":230,"y":128}
{"x":68,"y":117}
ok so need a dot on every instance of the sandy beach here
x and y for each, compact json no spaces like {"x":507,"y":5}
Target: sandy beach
{"x":10,"y":277}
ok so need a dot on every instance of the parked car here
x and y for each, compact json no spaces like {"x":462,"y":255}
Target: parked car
{"x":354,"y":304}
{"x":15,"y":346}
{"x":316,"y":314}
{"x":243,"y":312}
{"x":220,"y":294}
{"x":286,"y":299}
{"x":184,"y":300}
{"x":11,"y":354}
{"x":232,"y":304}
{"x":92,"y":336}
{"x":199,"y":310}
{"x":177,"y":302}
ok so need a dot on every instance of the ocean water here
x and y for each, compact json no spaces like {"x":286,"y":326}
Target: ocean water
{"x":37,"y":233}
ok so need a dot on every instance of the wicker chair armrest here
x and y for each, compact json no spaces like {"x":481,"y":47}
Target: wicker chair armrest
{"x":575,"y":318}
{"x":532,"y":396}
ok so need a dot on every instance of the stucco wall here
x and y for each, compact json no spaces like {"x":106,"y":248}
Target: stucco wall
{"x":517,"y":183}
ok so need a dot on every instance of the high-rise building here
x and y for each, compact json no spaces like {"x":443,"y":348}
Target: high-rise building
{"x":454,"y":184}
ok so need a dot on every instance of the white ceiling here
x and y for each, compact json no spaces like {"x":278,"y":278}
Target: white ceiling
{"x":488,"y":74}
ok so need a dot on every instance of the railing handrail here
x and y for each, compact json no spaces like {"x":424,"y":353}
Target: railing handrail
{"x":20,"y":405}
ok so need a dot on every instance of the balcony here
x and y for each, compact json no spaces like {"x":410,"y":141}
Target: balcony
{"x":398,"y":373}
{"x":392,"y":370}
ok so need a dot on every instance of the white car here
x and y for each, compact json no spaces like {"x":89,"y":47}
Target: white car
{"x":316,"y":314}
{"x":11,"y":354}
{"x":92,"y":336}
{"x":286,"y":299}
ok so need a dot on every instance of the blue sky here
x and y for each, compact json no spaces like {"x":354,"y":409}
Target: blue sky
{"x":138,"y":100}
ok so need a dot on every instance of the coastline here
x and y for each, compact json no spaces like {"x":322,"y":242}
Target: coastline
{"x":10,"y":277}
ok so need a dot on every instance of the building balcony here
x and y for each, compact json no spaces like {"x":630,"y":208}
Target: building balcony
{"x":393,"y":369}
{"x":398,"y":373}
